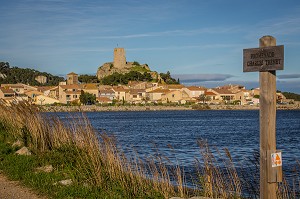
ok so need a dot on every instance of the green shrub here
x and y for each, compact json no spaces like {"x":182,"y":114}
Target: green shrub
{"x":200,"y":107}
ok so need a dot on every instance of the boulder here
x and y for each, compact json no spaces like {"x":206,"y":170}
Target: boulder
{"x":46,"y":169}
{"x":18,"y":143}
{"x":64,"y":182}
{"x":23,"y":151}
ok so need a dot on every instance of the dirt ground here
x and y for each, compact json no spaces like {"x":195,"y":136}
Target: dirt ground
{"x":13,"y":190}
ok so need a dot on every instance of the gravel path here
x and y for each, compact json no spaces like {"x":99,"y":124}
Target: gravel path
{"x":13,"y":190}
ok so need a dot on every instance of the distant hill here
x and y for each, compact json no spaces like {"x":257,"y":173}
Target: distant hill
{"x":120,"y":71}
{"x":109,"y":68}
{"x":14,"y":75}
{"x":133,"y":72}
{"x":289,"y":95}
{"x":120,"y":66}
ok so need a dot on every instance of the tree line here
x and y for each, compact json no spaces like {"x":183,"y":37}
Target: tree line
{"x":289,"y":95}
{"x":118,"y":78}
{"x":168,"y":79}
{"x":14,"y":75}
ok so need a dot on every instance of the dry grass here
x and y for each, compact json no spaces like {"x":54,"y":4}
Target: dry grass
{"x":99,"y":157}
{"x":220,"y":179}
{"x":287,"y":189}
{"x":218,"y":182}
{"x":100,"y":160}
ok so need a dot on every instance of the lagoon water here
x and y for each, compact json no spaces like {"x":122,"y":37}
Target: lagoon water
{"x":175,"y":133}
{"x":236,"y":130}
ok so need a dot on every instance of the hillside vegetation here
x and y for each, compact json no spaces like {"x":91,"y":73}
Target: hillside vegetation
{"x":166,"y":77}
{"x":289,"y":95}
{"x":109,"y":74}
{"x":118,"y":78}
{"x":14,"y":75}
{"x":88,"y":78}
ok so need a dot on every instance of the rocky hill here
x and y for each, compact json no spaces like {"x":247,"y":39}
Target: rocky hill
{"x":109,"y":69}
{"x":121,"y":66}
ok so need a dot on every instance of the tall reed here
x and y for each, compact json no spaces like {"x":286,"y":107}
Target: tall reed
{"x":101,"y":163}
{"x":219,"y":176}
{"x":99,"y":159}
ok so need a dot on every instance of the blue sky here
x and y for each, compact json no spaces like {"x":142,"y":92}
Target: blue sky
{"x":199,"y":41}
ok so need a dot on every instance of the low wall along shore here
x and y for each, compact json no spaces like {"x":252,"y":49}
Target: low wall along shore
{"x":92,"y":108}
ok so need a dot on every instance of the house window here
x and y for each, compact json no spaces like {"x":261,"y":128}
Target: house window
{"x":68,"y":97}
{"x":74,"y":96}
{"x":134,"y":96}
{"x":173,"y":95}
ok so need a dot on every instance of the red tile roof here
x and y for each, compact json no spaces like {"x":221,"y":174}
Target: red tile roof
{"x":135,"y":91}
{"x":120,"y":89}
{"x":175,"y":86}
{"x":195,"y":88}
{"x":7,"y":91}
{"x":72,"y":73}
{"x":89,"y":86}
{"x":106,"y":91}
{"x":223,"y":91}
{"x":209,"y":93}
{"x":44,"y":88}
{"x":103,"y":99}
{"x":159,"y":90}
{"x":71,"y":86}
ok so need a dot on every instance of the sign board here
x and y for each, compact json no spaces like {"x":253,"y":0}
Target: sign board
{"x":274,"y":166}
{"x":276,"y":159}
{"x":263,"y":59}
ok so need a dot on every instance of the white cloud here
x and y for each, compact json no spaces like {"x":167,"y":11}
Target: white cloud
{"x":284,"y":86}
{"x":204,"y":46}
{"x":288,"y":76}
{"x":191,"y":32}
{"x":284,"y":26}
{"x":202,"y":77}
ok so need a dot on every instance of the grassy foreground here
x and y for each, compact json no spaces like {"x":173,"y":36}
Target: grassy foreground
{"x":91,"y":160}
{"x":96,"y":168}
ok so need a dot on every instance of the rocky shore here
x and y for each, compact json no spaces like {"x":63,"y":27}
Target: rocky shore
{"x":95,"y":108}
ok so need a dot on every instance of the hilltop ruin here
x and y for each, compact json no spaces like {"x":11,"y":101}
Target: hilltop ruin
{"x":120,"y":65}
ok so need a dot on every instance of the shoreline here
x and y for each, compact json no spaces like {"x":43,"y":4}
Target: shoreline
{"x":94,"y":108}
{"x":84,"y":163}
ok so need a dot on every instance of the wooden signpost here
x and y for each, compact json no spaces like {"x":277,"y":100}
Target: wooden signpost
{"x":267,"y":59}
{"x":263,"y":59}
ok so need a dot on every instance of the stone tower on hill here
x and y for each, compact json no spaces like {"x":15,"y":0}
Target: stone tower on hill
{"x":120,"y":65}
{"x":119,"y":58}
